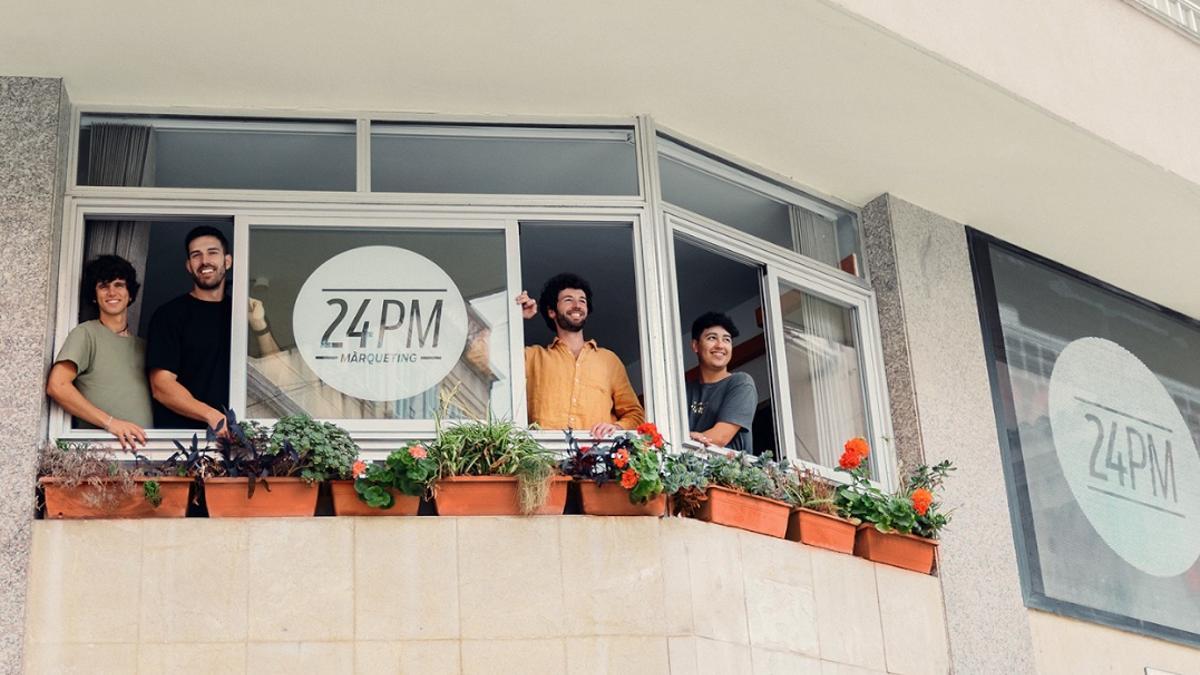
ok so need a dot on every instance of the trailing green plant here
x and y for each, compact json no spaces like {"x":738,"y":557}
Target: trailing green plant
{"x":912,"y":509}
{"x":495,"y":448}
{"x":326,"y":450}
{"x":408,"y":471}
{"x":634,"y":458}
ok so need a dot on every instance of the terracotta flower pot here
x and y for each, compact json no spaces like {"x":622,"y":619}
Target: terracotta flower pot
{"x":81,"y":501}
{"x":738,"y":509}
{"x":891,"y":548}
{"x":226,"y":498}
{"x":821,"y":530}
{"x":347,"y":503}
{"x":492,"y":496}
{"x":611,"y":499}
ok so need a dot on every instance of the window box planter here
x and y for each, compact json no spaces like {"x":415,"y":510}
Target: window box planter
{"x":821,"y":530}
{"x":79,"y":502}
{"x":227,"y":498}
{"x":611,"y":499}
{"x":892,"y":548}
{"x":347,"y":503}
{"x":738,"y":509}
{"x":492,"y":496}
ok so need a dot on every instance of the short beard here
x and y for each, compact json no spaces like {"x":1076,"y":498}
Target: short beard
{"x":217,"y":282}
{"x":564,"y":323}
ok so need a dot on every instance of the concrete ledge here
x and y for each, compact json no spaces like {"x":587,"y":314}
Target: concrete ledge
{"x":449,"y":595}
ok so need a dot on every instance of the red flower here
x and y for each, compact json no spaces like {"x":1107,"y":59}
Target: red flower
{"x":921,"y":499}
{"x":359,"y":468}
{"x":621,"y":458}
{"x":850,"y":460}
{"x":629,"y":479}
{"x":418,"y":452}
{"x":858,"y":446}
{"x":657,"y":440}
{"x":586,"y":450}
{"x":647,"y":429}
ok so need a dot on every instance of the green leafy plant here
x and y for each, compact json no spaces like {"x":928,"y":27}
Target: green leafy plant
{"x":810,"y":491}
{"x":910,"y":510}
{"x":408,"y":470}
{"x":326,"y":450}
{"x":742,"y":472}
{"x":495,"y":448}
{"x":634,"y":458}
{"x":685,"y":479}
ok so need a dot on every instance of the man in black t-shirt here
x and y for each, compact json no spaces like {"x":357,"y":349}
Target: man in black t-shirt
{"x":721,"y":405}
{"x":187,"y":355}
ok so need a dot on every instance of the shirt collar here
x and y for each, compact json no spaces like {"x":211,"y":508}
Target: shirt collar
{"x":556,"y":342}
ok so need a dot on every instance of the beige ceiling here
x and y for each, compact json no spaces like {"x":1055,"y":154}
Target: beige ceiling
{"x":802,"y":88}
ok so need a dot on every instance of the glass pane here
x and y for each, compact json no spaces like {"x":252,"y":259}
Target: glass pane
{"x":217,"y":153}
{"x":367,"y":323}
{"x":503,"y":160}
{"x":739,"y":297}
{"x":821,"y":350}
{"x":758,"y":207}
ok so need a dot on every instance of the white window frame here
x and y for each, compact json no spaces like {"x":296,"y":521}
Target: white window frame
{"x":654,"y":225}
{"x":813,"y":278}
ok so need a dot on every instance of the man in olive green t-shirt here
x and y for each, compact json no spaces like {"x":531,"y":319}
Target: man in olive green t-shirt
{"x":99,"y":376}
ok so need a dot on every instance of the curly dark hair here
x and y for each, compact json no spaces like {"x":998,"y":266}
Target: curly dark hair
{"x":549,"y":298}
{"x":106,"y":269}
{"x":708,"y":320}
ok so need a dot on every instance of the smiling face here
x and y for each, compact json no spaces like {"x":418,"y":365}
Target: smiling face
{"x":207,"y":262}
{"x":112,"y":297}
{"x":714,"y":348}
{"x":571,"y":311}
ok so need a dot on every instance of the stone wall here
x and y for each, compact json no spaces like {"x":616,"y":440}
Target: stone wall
{"x":575,"y":594}
{"x":33,"y":123}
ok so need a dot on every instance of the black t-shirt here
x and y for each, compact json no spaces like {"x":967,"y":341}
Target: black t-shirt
{"x":190,"y":338}
{"x":732,"y":400}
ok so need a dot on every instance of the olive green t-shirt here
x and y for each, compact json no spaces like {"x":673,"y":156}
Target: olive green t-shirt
{"x":111,"y":372}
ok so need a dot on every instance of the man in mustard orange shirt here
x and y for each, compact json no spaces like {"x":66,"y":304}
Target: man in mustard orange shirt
{"x":572,"y":383}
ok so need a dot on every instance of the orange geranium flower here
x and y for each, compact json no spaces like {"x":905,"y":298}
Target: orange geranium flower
{"x":859,"y":446}
{"x":647,"y":429}
{"x":621,"y":458}
{"x":629,"y":479}
{"x":921,"y":499}
{"x":418,"y":452}
{"x":359,"y":468}
{"x":850,"y":460}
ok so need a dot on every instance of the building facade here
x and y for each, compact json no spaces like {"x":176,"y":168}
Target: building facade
{"x":918,"y":215}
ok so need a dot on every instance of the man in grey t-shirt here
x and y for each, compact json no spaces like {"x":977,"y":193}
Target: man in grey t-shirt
{"x":721,"y":404}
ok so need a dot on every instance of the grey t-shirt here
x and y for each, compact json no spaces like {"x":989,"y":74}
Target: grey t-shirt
{"x":732,"y":400}
{"x":111,"y":372}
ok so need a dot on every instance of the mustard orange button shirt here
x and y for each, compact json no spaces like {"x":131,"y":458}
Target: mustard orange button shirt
{"x":568,"y":393}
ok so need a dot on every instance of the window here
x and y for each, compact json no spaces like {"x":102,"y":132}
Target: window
{"x":712,"y":188}
{"x":375,"y":294}
{"x":800,"y":337}
{"x":711,"y":282}
{"x":402,"y":322}
{"x":602,"y":253}
{"x":216,"y":153}
{"x":503,"y":160}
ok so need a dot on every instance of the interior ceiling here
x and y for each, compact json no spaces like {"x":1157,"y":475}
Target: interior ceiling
{"x":802,"y":88}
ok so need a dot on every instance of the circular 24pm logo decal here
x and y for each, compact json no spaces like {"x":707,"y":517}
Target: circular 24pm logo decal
{"x":1127,"y":455}
{"x":380,"y":323}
